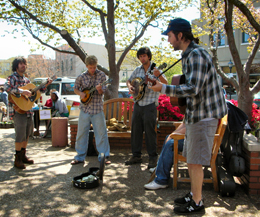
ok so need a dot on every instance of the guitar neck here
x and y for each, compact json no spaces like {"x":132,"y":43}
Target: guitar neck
{"x":104,"y":83}
{"x":43,"y":84}
{"x":39,"y":87}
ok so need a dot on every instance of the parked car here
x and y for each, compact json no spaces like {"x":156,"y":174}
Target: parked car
{"x":257,"y":99}
{"x":64,"y":85}
{"x":122,"y":85}
{"x":123,"y":93}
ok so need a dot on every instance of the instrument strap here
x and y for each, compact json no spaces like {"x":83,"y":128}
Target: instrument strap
{"x":170,"y":67}
{"x":176,"y":62}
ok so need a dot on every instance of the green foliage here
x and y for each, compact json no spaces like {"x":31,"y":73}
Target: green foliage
{"x":48,"y":18}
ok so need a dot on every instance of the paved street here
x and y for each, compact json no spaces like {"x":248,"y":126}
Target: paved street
{"x":45,"y":188}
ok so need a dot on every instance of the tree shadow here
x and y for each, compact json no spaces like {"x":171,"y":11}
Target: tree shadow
{"x":46,"y":189}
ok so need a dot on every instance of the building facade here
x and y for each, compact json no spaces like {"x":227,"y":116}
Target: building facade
{"x":71,"y":65}
{"x":224,"y":55}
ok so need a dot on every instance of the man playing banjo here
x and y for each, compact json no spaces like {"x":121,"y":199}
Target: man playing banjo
{"x":145,"y":113}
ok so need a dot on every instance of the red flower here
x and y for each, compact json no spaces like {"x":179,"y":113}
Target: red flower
{"x":255,"y":121}
{"x":167,"y":112}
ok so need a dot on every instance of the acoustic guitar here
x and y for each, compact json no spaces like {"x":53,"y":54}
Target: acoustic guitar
{"x":175,"y":101}
{"x":90,"y":91}
{"x":21,"y":103}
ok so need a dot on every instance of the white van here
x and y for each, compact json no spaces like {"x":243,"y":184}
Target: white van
{"x":64,"y":85}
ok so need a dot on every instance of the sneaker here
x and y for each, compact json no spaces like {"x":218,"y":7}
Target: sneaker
{"x":190,"y":208}
{"x":151,"y":170}
{"x":154,"y":186}
{"x":152,"y":163}
{"x":133,"y":160}
{"x":183,"y":200}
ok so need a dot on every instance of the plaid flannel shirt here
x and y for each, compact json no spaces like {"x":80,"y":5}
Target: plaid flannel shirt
{"x":12,"y":84}
{"x":150,"y":96}
{"x":204,"y":96}
{"x":85,"y":80}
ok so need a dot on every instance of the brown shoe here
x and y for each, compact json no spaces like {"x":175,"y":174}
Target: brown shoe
{"x":133,"y":160}
{"x":25,"y":159}
{"x":18,"y":161}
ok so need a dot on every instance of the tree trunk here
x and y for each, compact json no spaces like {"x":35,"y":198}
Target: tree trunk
{"x":112,"y":90}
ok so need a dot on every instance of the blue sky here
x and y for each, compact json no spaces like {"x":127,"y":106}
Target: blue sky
{"x":10,"y":46}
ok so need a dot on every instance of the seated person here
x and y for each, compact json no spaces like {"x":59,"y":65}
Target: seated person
{"x":58,"y":106}
{"x":49,"y":101}
{"x":3,"y":96}
{"x":59,"y":109}
{"x":165,"y":162}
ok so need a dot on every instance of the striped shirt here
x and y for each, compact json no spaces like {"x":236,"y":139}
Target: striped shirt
{"x":204,"y":96}
{"x":150,"y":96}
{"x":12,"y":84}
{"x":85,"y":80}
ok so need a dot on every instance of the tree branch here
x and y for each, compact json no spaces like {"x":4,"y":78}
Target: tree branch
{"x":129,"y":47}
{"x":102,"y":17}
{"x":251,"y":57}
{"x":247,"y":13}
{"x":231,"y":41}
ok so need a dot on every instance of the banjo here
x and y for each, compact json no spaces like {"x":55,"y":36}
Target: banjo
{"x":140,"y":84}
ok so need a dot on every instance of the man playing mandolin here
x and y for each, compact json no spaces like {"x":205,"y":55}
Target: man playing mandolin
{"x":145,"y":112}
{"x":23,"y":121}
{"x":91,"y":112}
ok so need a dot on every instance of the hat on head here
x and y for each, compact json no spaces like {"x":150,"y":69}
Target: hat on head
{"x":178,"y":25}
{"x":56,"y":93}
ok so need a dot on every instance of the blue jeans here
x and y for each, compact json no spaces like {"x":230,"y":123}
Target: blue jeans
{"x":100,"y":131}
{"x":165,"y":161}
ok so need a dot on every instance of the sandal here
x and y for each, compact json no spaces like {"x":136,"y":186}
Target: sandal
{"x":107,"y":161}
{"x":74,"y":162}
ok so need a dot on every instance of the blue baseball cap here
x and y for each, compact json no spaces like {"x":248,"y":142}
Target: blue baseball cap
{"x":178,"y":25}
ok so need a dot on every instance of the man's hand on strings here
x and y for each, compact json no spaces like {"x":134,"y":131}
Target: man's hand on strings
{"x":131,"y":89}
{"x":156,"y":72}
{"x":157,"y":87}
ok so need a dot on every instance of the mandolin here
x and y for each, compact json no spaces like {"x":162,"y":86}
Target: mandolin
{"x":21,"y":103}
{"x":90,"y":92}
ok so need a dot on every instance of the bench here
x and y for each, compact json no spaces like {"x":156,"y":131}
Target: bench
{"x":117,"y":108}
{"x":121,"y":109}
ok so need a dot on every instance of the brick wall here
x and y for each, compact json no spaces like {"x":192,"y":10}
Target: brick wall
{"x":73,"y":134}
{"x":251,"y":178}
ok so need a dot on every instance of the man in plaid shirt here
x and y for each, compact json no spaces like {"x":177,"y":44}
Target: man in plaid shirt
{"x":205,"y":105}
{"x":145,"y":112}
{"x":91,"y":113}
{"x":23,"y":123}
